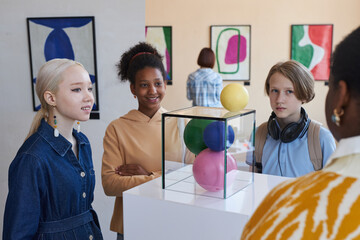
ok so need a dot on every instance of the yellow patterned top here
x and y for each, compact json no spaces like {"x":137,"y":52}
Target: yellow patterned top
{"x":320,"y":205}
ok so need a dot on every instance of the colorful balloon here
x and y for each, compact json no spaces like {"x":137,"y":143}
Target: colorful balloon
{"x":208,"y":170}
{"x":193,"y":135}
{"x":234,"y":97}
{"x":214,"y":136}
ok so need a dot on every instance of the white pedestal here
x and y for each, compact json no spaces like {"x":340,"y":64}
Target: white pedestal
{"x":153,"y":213}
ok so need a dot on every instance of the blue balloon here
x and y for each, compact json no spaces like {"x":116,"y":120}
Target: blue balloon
{"x":214,"y":136}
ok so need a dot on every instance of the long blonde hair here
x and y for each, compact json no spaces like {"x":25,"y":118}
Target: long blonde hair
{"x":48,"y":79}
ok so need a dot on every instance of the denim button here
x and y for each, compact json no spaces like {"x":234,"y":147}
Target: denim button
{"x":82,"y":174}
{"x":91,"y":237}
{"x":84,"y":195}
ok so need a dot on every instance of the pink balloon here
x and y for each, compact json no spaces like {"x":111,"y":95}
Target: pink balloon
{"x":208,"y":170}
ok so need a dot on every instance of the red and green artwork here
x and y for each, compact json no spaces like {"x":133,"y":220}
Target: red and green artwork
{"x":160,"y":38}
{"x":312,"y":45}
{"x":231,"y":45}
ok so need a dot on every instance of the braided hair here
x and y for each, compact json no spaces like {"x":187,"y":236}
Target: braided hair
{"x":138,"y":57}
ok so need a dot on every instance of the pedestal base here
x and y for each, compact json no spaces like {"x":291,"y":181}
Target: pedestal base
{"x":153,"y":213}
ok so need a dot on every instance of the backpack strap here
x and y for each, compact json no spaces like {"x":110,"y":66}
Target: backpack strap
{"x":260,"y":138}
{"x":314,"y":145}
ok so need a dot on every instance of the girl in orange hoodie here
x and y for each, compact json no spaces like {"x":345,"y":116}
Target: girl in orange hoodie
{"x":132,"y":143}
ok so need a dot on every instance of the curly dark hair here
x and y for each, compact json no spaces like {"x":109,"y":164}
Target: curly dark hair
{"x":345,"y":62}
{"x":137,"y":58}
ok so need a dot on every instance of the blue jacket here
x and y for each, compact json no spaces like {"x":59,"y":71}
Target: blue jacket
{"x":50,"y":190}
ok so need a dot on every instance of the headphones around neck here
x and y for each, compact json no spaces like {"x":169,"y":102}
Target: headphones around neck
{"x":290,"y":132}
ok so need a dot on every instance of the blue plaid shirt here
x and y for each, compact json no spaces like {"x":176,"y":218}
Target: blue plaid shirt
{"x":204,"y":87}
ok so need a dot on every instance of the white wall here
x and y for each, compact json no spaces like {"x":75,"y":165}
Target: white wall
{"x":118,"y":25}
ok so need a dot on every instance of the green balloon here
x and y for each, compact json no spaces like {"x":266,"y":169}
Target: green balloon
{"x":193,"y":135}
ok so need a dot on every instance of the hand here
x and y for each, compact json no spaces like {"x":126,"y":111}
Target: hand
{"x":131,"y":170}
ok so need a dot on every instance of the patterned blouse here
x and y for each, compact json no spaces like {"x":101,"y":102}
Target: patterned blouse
{"x":320,"y":205}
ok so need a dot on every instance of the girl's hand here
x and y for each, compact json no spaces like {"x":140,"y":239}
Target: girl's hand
{"x":131,"y":170}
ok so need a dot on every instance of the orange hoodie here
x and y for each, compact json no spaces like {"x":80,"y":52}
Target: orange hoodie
{"x":133,"y":139}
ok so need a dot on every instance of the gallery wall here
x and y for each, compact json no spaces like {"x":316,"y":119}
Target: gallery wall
{"x":270,"y":39}
{"x":118,"y":25}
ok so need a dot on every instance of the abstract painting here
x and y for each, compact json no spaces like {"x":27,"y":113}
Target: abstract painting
{"x":231,"y":45}
{"x":63,"y":37}
{"x":312,"y":46}
{"x":161,"y":38}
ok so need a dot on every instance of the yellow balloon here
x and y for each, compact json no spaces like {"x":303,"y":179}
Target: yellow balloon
{"x":234,"y":97}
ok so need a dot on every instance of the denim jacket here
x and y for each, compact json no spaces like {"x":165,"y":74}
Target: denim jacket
{"x":50,"y":190}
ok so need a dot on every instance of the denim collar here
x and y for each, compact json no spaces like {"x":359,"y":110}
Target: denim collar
{"x":59,"y":144}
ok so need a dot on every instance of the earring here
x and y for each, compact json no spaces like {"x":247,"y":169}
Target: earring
{"x":335,"y":118}
{"x":56,"y":131}
{"x":78,"y":126}
{"x":135,"y":96}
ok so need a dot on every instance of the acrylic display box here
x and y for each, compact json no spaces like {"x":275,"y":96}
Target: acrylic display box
{"x":194,"y":157}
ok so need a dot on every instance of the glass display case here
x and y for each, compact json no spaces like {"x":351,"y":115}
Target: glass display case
{"x":199,"y":157}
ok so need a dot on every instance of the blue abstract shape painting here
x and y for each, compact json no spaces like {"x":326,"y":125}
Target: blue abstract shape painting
{"x":67,"y":37}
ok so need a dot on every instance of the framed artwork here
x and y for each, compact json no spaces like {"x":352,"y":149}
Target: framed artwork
{"x":63,"y":37}
{"x":161,"y":38}
{"x":231,"y":45}
{"x":311,"y":45}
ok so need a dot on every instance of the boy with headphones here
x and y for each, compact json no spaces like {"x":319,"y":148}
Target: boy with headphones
{"x":290,"y":144}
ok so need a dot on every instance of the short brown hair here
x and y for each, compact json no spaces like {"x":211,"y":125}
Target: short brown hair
{"x":206,"y":58}
{"x":299,"y":75}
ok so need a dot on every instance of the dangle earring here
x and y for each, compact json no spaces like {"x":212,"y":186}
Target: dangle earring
{"x":78,"y":126}
{"x":335,"y":118}
{"x":56,"y":131}
{"x":135,"y":96}
{"x":46,"y":116}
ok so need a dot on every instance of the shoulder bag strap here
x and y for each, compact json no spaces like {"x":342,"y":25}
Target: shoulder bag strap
{"x":260,"y":138}
{"x":314,"y":145}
